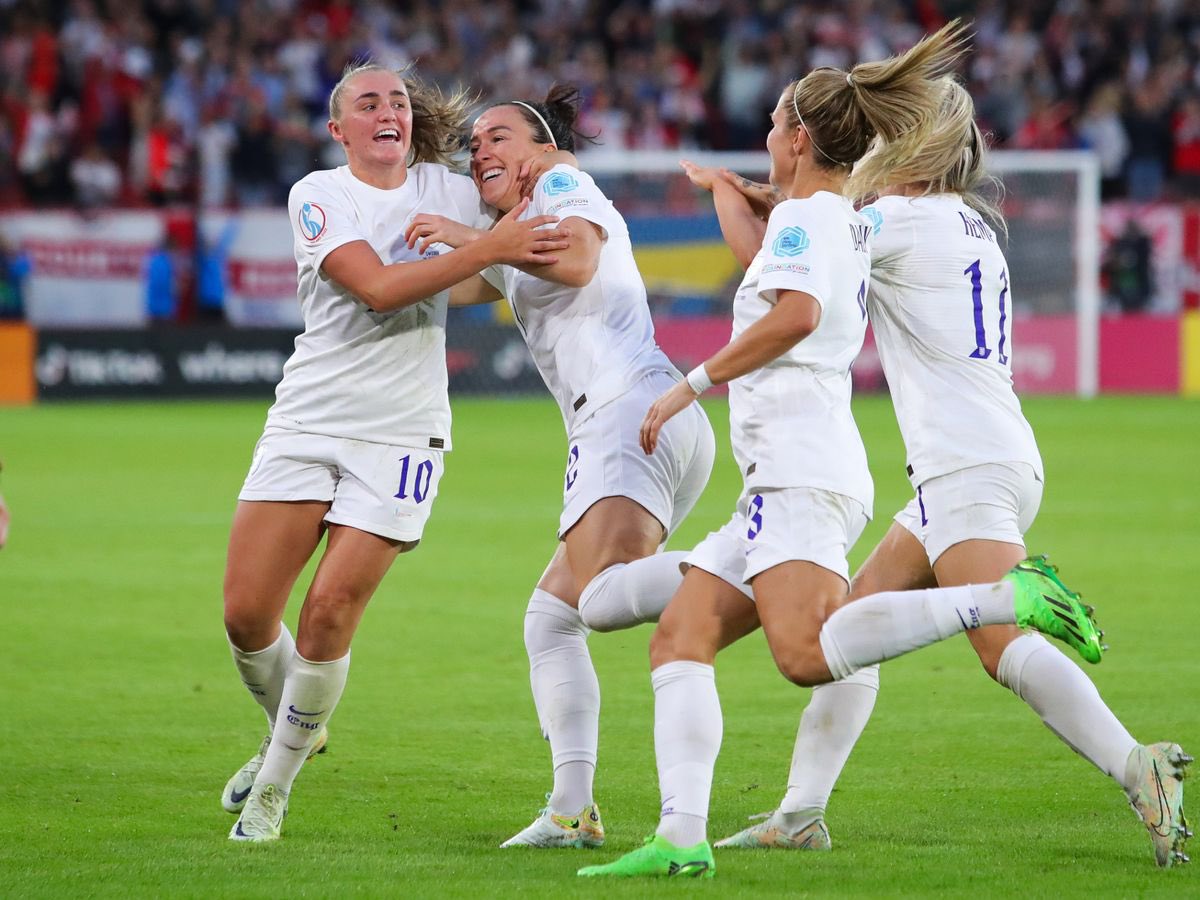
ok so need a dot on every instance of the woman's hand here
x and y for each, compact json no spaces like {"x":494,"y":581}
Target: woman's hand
{"x":677,"y":399}
{"x":762,"y":197}
{"x":430,"y":229}
{"x":515,"y":243}
{"x":537,"y":166}
{"x":701,"y":176}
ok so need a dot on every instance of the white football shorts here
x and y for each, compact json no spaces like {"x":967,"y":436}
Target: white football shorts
{"x":604,"y":458}
{"x":380,"y":488}
{"x":782,"y":525}
{"x":991,"y":502}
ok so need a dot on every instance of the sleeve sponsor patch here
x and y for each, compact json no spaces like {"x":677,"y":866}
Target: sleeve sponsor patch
{"x":559,"y":183}
{"x":791,"y":241}
{"x":312,"y":220}
{"x":567,"y":202}
{"x":793,"y":268}
{"x":874,"y":216}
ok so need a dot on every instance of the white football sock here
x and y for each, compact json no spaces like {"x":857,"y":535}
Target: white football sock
{"x":264,"y":671}
{"x":1058,"y":691}
{"x":883,"y":626}
{"x":567,"y":696}
{"x":687,"y":739}
{"x":829,"y":728}
{"x":628,"y":594}
{"x":310,"y":694}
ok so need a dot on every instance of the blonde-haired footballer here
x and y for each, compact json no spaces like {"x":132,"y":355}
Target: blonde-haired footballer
{"x":352,"y":449}
{"x":941,"y":306}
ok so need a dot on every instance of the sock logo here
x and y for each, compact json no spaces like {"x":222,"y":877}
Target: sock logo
{"x":294,"y":714}
{"x":973,"y":612}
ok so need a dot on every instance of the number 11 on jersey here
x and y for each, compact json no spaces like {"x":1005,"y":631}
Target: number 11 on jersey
{"x":982,"y":351}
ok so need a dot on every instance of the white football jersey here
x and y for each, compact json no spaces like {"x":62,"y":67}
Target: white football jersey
{"x":790,"y":421}
{"x":941,"y":309}
{"x":357,"y":373}
{"x":590,"y":344}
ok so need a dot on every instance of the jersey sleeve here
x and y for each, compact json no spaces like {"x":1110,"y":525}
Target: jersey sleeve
{"x":494,"y":275}
{"x":567,"y":192}
{"x":321,"y":221}
{"x":794,"y":256}
{"x":891,"y":228}
{"x":471,"y":208}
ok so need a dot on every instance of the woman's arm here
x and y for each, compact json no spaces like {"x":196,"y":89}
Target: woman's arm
{"x":741,"y":227}
{"x":577,"y":264}
{"x":385,"y":288}
{"x":794,"y":317}
{"x":474,"y":291}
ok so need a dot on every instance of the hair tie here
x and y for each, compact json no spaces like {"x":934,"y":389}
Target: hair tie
{"x":545,"y":124}
{"x":849,"y":79}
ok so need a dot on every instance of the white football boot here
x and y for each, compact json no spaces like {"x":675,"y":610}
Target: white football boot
{"x":262,"y":815}
{"x":550,"y":829}
{"x":237,"y":788}
{"x":786,"y":831}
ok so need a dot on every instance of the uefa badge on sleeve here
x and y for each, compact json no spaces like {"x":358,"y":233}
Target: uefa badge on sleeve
{"x":559,"y":183}
{"x":792,"y":241}
{"x":312,"y":220}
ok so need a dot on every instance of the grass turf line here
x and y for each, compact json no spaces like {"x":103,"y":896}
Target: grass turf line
{"x":124,"y":716}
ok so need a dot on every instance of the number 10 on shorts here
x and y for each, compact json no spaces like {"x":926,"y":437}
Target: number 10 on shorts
{"x":422,"y":475}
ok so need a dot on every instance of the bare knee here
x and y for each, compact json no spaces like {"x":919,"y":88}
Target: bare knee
{"x":327,"y":623}
{"x":803,"y":664}
{"x":250,"y":626}
{"x":990,"y":643}
{"x":670,"y":644}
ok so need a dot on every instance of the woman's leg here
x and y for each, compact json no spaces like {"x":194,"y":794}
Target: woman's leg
{"x":269,"y":545}
{"x":837,"y":713}
{"x":610,"y":536}
{"x":566,"y":695}
{"x":621,"y":578}
{"x":350,"y":570}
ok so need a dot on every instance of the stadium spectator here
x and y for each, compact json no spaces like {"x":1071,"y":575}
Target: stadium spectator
{"x":1149,"y":128}
{"x":1185,"y":129}
{"x":710,"y":69}
{"x":95,"y":177}
{"x":15,"y":266}
{"x":1127,"y":269}
{"x":162,"y":299}
{"x":211,"y":263}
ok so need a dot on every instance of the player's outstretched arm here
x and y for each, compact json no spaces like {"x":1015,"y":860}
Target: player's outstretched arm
{"x":741,"y":226}
{"x":385,"y":288}
{"x":794,"y":317}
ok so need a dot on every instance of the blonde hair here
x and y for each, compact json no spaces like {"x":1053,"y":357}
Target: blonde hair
{"x":896,"y":99}
{"x":439,"y":121}
{"x":951,"y":159}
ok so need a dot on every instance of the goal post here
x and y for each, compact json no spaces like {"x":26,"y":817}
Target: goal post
{"x":1051,"y":204}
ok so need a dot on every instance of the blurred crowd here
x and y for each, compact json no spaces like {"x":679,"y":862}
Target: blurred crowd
{"x":223,"y":102}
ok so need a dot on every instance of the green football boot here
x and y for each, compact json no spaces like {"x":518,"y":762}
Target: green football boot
{"x":1041,"y":601}
{"x":659,"y":858}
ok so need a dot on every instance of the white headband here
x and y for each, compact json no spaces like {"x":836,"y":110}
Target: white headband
{"x":811,"y":140}
{"x":545,"y":124}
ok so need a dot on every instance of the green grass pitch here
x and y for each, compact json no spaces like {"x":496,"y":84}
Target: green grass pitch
{"x":123,"y":716}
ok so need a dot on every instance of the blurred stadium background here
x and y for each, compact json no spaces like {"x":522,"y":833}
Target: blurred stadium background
{"x":146,"y":149}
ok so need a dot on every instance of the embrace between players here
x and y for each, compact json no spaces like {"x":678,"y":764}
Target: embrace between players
{"x":353,"y":447}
